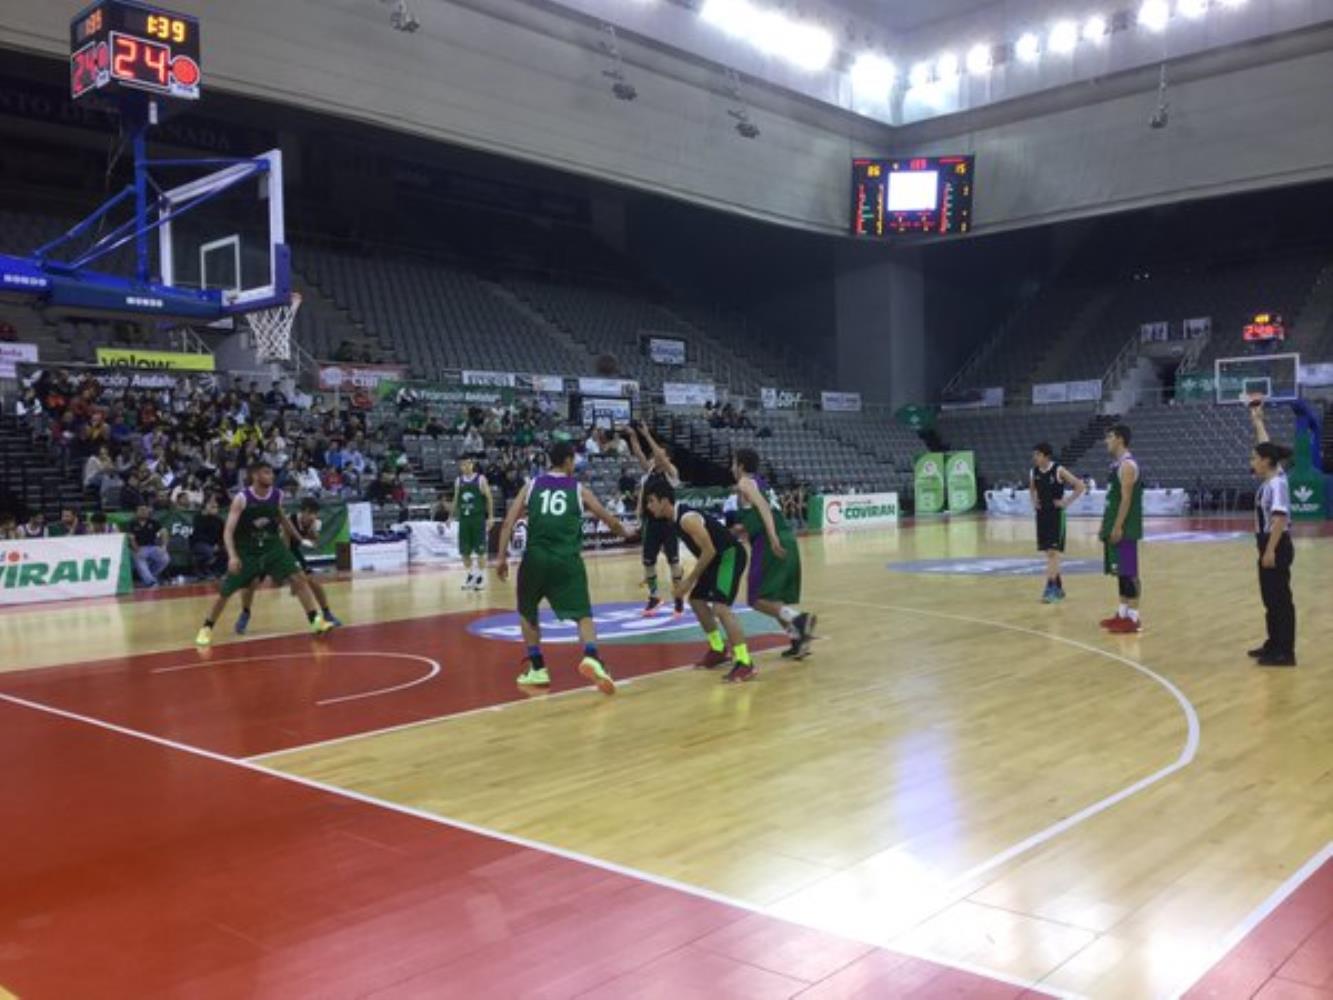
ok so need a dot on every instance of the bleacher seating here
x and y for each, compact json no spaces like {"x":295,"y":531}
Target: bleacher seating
{"x":1003,"y":440}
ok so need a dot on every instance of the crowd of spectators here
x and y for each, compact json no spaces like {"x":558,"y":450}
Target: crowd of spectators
{"x":728,"y":416}
{"x":192,"y":438}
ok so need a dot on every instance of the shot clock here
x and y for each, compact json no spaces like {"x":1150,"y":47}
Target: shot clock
{"x":122,"y":44}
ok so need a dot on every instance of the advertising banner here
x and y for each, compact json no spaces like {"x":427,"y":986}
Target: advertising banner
{"x":12,"y":355}
{"x":64,"y":569}
{"x":930,"y":483}
{"x":608,"y":387}
{"x":962,"y":473}
{"x":1154,"y":332}
{"x":349,"y":378}
{"x":840,"y":402}
{"x":666,"y":350}
{"x":1044,"y":393}
{"x":542,"y":383}
{"x":869,"y":510}
{"x":1088,"y":390}
{"x":781,"y":399}
{"x":688,"y":394}
{"x":118,"y":357}
{"x":916,"y":417}
{"x":1199,"y":326}
{"x":1312,"y":375}
{"x":974,"y":399}
{"x":502,"y":379}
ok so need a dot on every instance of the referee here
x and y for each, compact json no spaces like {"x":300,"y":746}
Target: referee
{"x":1272,"y":521}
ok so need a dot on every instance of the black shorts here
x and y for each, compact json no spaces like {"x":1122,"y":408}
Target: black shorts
{"x":721,"y":582}
{"x":660,"y":536}
{"x":1051,"y":531}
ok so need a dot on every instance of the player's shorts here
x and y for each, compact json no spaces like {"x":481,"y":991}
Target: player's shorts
{"x":774,"y":579}
{"x":472,"y":537}
{"x":660,"y":536}
{"x":277,"y":563}
{"x":721,"y":582}
{"x":560,"y":581}
{"x":1051,"y":531}
{"x":1122,"y":559}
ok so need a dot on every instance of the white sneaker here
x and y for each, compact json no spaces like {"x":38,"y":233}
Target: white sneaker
{"x":467,"y":584}
{"x":479,"y":583}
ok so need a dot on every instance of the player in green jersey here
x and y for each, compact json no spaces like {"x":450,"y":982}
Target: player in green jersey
{"x":474,"y":510}
{"x":308,"y":527}
{"x":775,"y":558}
{"x":552,"y":568}
{"x":1122,"y":530}
{"x":258,"y":536}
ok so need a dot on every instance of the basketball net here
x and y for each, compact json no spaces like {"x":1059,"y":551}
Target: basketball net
{"x":273,"y":329}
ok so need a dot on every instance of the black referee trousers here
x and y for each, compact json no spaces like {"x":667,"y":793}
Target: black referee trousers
{"x":1275,"y":588}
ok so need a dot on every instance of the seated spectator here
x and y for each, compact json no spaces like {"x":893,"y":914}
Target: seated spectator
{"x":69,"y":524}
{"x":306,"y":479}
{"x":473,"y":442}
{"x":208,"y":554}
{"x":9,"y":529}
{"x":97,"y":467}
{"x":99,"y":524}
{"x":593,"y":444}
{"x":34,"y":527}
{"x":381,"y":490}
{"x":148,"y":542}
{"x":188,"y":493}
{"x":440,"y":512}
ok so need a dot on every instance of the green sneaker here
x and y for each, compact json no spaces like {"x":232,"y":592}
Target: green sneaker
{"x":535,"y":678}
{"x":594,"y":671}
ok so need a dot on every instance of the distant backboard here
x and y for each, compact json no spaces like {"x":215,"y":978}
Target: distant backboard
{"x":1276,"y":377}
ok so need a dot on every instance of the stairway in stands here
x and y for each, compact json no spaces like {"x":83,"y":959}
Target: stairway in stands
{"x":31,"y":477}
{"x":1087,"y":439}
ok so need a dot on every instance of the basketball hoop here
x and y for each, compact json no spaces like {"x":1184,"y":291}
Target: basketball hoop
{"x":273,"y":329}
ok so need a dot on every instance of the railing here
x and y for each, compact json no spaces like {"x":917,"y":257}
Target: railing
{"x":185,"y":340}
{"x":1193,"y":352}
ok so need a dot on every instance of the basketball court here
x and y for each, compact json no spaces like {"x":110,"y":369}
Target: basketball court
{"x":962,"y":792}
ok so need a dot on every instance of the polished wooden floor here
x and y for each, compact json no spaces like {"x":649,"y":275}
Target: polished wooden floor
{"x":959,"y":772}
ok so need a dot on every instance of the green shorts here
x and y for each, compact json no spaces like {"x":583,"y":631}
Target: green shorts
{"x":560,"y":581}
{"x":774,"y":579}
{"x":277,"y":563}
{"x":472,"y":537}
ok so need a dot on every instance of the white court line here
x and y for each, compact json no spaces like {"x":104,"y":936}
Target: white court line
{"x":962,"y":886}
{"x":533,"y":845}
{"x":433,"y":672}
{"x":1257,"y":916}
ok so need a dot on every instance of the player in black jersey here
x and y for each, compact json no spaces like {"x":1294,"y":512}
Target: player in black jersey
{"x":1047,"y":481}
{"x":715,"y":580}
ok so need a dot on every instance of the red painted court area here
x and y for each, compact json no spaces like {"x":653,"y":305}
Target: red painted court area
{"x":143,"y":857}
{"x":245,"y":699}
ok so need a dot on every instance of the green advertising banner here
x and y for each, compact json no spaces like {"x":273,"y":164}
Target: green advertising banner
{"x":917,"y":418}
{"x":930,"y":483}
{"x":1306,"y":482}
{"x":962,"y":475}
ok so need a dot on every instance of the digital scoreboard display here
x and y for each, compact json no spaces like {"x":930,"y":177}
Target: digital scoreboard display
{"x":119,"y":43}
{"x":920,"y":196}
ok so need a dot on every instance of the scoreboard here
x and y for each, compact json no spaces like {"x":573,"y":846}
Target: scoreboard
{"x":118,"y":44}
{"x":919,"y":196}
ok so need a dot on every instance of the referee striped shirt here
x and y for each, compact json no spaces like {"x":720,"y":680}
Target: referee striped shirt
{"x":1274,"y":498}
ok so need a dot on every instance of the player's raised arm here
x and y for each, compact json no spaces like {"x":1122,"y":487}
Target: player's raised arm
{"x":1257,"y":421}
{"x":516,"y":510}
{"x":594,"y":507}
{"x":645,"y":463}
{"x":659,"y":453}
{"x":755,"y":498}
{"x":229,"y":533}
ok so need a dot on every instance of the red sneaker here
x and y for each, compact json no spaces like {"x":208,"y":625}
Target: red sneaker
{"x":740,"y":673}
{"x":651,"y":607}
{"x":1112,"y":622}
{"x":1125,"y":626}
{"x":712,"y":659}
